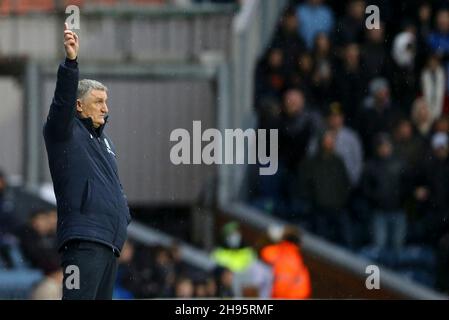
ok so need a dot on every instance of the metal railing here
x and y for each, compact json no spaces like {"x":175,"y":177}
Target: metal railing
{"x":150,"y":236}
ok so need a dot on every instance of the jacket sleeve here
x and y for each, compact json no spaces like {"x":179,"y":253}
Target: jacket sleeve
{"x":63,"y":107}
{"x":269,"y":254}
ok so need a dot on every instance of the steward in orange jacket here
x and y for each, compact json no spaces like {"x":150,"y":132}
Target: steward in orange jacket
{"x":291,"y":277}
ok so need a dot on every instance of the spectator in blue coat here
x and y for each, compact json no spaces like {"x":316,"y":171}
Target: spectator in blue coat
{"x":314,"y":17}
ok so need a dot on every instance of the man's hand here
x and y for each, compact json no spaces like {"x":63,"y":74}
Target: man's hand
{"x":71,"y":43}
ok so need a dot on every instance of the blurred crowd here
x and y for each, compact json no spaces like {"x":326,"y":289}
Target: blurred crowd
{"x":362,"y":116}
{"x":144,"y":271}
{"x":31,"y":6}
{"x":274,"y":268}
{"x":161,"y":272}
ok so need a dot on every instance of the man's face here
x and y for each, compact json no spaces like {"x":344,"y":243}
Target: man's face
{"x":323,"y":43}
{"x":352,"y":54}
{"x":376,"y":35}
{"x":305,"y":63}
{"x":335,"y":121}
{"x":328,"y":142}
{"x":422,"y":113}
{"x":94,"y":106}
{"x":40,"y":224}
{"x":185,"y":289}
{"x":227,"y":278}
{"x":290,"y":23}
{"x":382,"y":96}
{"x":357,"y":9}
{"x":275,"y":58}
{"x":425,"y":12}
{"x":385,"y":150}
{"x":294,"y":102}
{"x":443,"y":21}
{"x":404,"y":131}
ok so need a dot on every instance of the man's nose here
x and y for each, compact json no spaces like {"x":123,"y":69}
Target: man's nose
{"x":105,"y":108}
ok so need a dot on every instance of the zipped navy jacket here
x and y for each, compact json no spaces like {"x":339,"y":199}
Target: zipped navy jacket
{"x":90,"y":200}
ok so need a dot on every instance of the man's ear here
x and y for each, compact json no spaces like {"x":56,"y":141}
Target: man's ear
{"x":79,"y":107}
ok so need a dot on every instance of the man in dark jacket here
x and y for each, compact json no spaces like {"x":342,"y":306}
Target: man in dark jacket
{"x":379,"y":114}
{"x":431,"y":191}
{"x":297,"y":126}
{"x":93,"y":213}
{"x":383,"y":187}
{"x":327,"y":185}
{"x":352,"y":25}
{"x":288,"y":39}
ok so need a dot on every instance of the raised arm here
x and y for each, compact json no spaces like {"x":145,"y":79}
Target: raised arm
{"x":63,"y":107}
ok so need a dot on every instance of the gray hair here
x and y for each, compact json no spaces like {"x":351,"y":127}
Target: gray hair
{"x":87,"y":85}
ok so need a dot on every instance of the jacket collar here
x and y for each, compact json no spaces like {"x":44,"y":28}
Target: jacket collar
{"x":87,"y":122}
